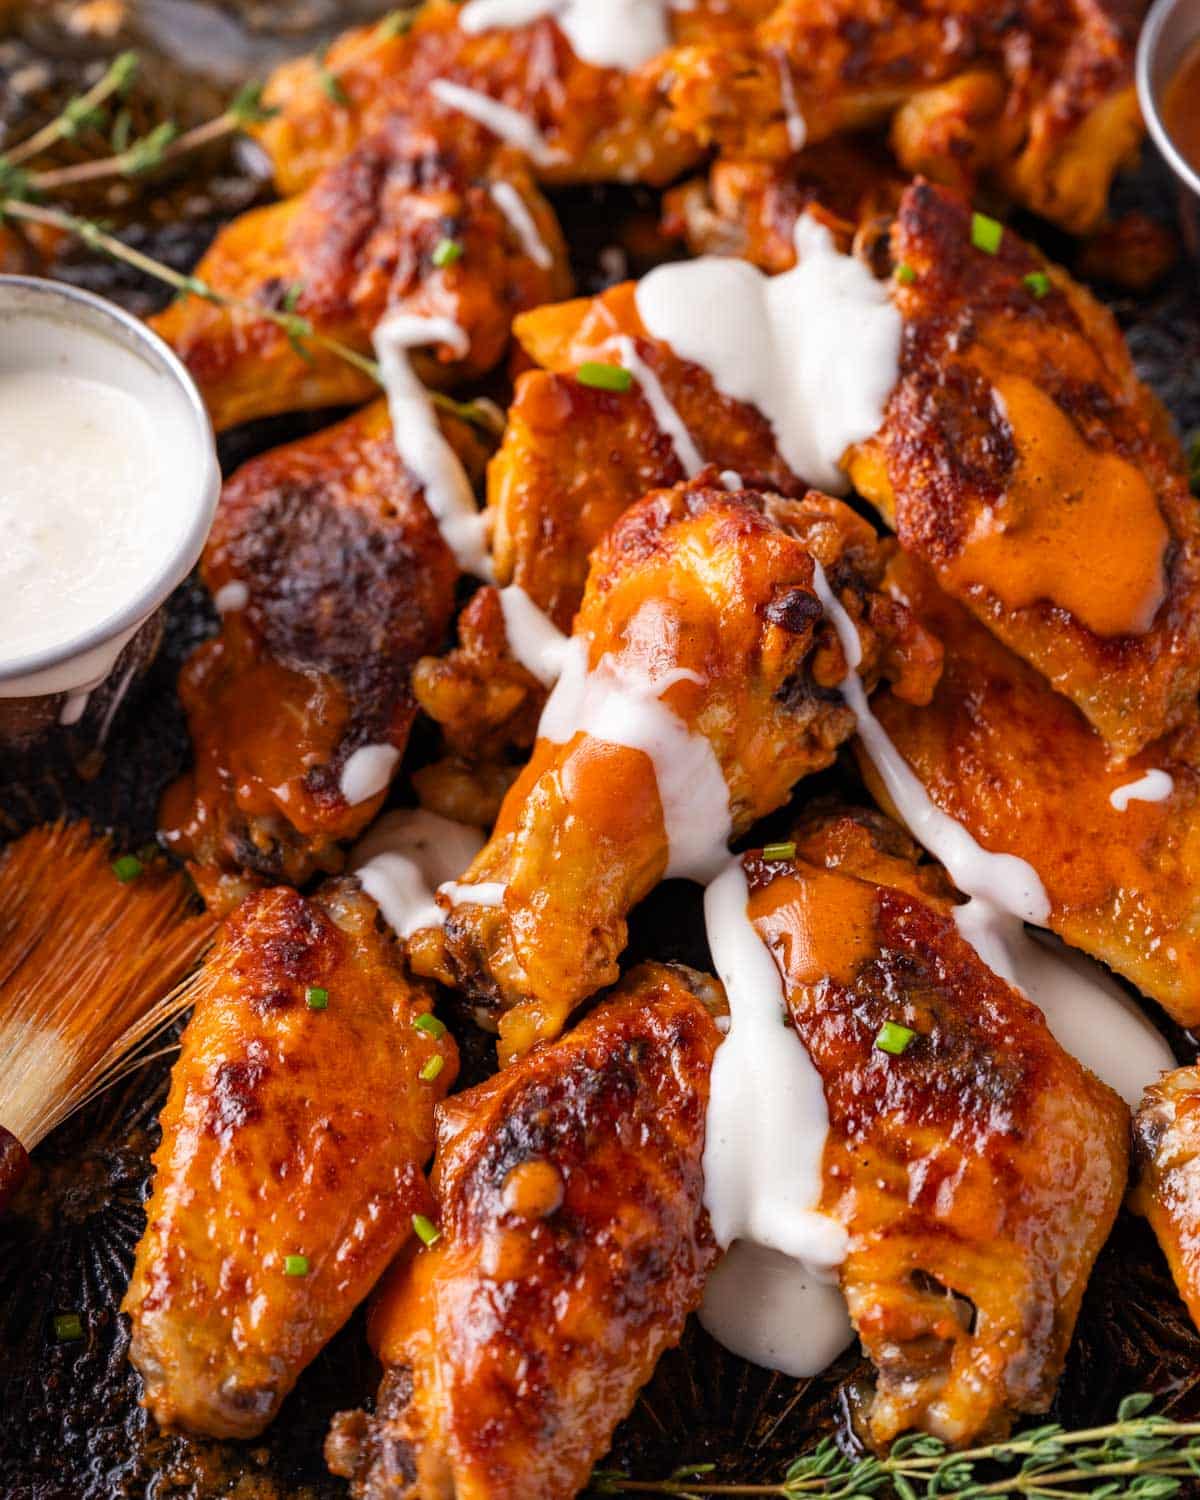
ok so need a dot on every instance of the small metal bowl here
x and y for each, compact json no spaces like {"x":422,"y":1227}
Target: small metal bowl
{"x":1171,"y":29}
{"x":74,"y":688}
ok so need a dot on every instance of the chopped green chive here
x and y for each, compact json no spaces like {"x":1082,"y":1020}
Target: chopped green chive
{"x":432,"y":1068}
{"x":905,"y":274}
{"x":396,"y":23}
{"x":426,"y":1230}
{"x":295,"y":1265}
{"x":986,"y":233}
{"x":331,"y":88}
{"x":430,"y":1025}
{"x":127,"y":868}
{"x":446,"y":252}
{"x":604,"y":377}
{"x":779,"y":851}
{"x":316,"y":998}
{"x":68,"y":1327}
{"x":894,"y":1038}
{"x":1037,"y":282}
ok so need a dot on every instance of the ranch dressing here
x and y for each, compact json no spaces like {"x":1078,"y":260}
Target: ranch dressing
{"x":508,"y":125}
{"x":606,"y":33}
{"x":1154,"y":786}
{"x":404,"y":859}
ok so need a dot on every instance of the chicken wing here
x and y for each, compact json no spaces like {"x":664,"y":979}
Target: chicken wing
{"x":1021,"y":769}
{"x":371,"y":237}
{"x":573,"y":1246}
{"x":977,"y":1172}
{"x":1036,"y":98}
{"x":332,"y":579}
{"x":1023,"y":460}
{"x":1166,"y":1151}
{"x":300,"y":1116}
{"x":701,"y":610}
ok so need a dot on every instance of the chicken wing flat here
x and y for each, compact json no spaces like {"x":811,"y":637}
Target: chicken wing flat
{"x":573,"y":1246}
{"x":1021,"y":769}
{"x":369,"y":237}
{"x":701,"y":607}
{"x":332,"y":579}
{"x":1166,"y":1150}
{"x":977,"y":1173}
{"x":1036,"y":97}
{"x":599,"y":124}
{"x":300,"y":1116}
{"x":1023,"y":460}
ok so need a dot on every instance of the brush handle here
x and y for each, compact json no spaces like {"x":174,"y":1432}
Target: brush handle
{"x":14,"y":1163}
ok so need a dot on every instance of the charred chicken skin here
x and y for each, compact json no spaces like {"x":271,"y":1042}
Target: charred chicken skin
{"x":705,"y":601}
{"x":367,"y":239}
{"x":293,"y":1142}
{"x":977,"y":1173}
{"x":1023,"y":460}
{"x":573,"y":1246}
{"x":333,"y":580}
{"x":1021,"y":769}
{"x":1166,"y":1148}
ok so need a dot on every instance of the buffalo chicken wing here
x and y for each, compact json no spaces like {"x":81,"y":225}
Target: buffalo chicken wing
{"x":1167,"y":1157}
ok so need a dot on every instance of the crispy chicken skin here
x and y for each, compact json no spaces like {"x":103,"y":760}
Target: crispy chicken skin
{"x":977,"y":1174}
{"x":1021,"y":769}
{"x":1022,"y":459}
{"x":359,"y":243}
{"x":334,"y":579}
{"x":600,"y":124}
{"x":1036,"y":98}
{"x":1166,"y":1154}
{"x":712,"y":591}
{"x":573,"y":1246}
{"x":288,"y":1131}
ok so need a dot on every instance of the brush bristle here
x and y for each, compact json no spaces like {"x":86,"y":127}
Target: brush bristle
{"x":90,"y":970}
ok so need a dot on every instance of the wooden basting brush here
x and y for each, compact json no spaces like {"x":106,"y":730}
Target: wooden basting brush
{"x":93,"y":953}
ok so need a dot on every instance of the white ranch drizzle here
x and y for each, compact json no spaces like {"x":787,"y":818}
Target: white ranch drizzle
{"x":815,"y":349}
{"x":1083,"y":1007}
{"x":797,"y":127}
{"x":231,"y":597}
{"x":533,"y":638}
{"x":775,"y":1311}
{"x":405,"y":857}
{"x":731,"y":479}
{"x":524,"y":226}
{"x":1154,"y":786}
{"x":510,"y":125}
{"x":419,"y":439}
{"x":484,"y":893}
{"x":367,"y":772}
{"x":620,"y":34}
{"x":668,"y":419}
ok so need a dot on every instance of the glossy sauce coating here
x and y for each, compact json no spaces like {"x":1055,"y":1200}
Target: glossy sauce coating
{"x":344,"y":582}
{"x":978,"y":1172}
{"x":573,"y":1246}
{"x":1166,"y":1135}
{"x":581,"y":835}
{"x":289,"y":1130}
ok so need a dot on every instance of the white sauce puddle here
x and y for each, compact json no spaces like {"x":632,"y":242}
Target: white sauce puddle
{"x":367,"y":772}
{"x":1154,"y":786}
{"x":664,"y":414}
{"x":523,"y":225}
{"x":815,"y":349}
{"x":606,"y":33}
{"x":510,"y":125}
{"x":403,"y":860}
{"x":422,"y":447}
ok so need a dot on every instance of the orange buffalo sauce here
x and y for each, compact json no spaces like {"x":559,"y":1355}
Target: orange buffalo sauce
{"x":1181,"y":106}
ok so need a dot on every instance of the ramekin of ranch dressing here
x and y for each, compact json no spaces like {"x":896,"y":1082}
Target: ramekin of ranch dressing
{"x":108,"y":485}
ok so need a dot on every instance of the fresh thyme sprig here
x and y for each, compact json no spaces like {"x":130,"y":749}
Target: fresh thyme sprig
{"x":1137,"y":1457}
{"x":82,"y":112}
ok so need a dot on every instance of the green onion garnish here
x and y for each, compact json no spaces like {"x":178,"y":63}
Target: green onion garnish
{"x":905,"y":274}
{"x":68,"y":1327}
{"x":127,"y":868}
{"x":432,"y":1068}
{"x":1037,"y":282}
{"x":426,"y":1230}
{"x":604,"y":377}
{"x":986,"y":233}
{"x":396,"y":23}
{"x":430,"y":1025}
{"x":316,"y":998}
{"x":779,"y":851}
{"x":295,"y":1265}
{"x":446,"y":252}
{"x":894,"y":1038}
